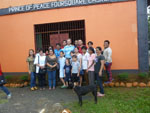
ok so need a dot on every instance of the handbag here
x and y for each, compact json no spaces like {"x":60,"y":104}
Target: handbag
{"x":41,"y":71}
{"x":2,"y":80}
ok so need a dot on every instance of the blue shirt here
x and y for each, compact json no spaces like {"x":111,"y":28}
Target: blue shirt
{"x":75,"y":67}
{"x":67,"y":49}
{"x":67,"y":69}
{"x":57,"y":52}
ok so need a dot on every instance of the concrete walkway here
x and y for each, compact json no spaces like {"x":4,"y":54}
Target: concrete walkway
{"x":25,"y":101}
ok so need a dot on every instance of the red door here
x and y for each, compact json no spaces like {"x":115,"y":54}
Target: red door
{"x":58,"y":38}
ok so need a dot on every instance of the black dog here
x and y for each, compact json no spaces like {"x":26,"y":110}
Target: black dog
{"x":81,"y":91}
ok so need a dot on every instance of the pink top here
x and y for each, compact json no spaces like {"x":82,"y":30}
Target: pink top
{"x":90,"y":61}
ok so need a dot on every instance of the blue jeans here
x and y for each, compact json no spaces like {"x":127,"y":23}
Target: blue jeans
{"x":52,"y":78}
{"x":100,"y":83}
{"x":5,"y":89}
{"x":33,"y":80}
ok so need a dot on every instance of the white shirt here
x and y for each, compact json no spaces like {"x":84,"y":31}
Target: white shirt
{"x":85,"y":60}
{"x":108,"y":55}
{"x":39,"y":60}
{"x":79,"y":57}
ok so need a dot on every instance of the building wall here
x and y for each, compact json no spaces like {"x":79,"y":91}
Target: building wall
{"x":116,"y":22}
{"x":11,"y":3}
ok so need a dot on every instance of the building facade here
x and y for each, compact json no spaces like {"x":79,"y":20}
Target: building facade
{"x":33,"y":24}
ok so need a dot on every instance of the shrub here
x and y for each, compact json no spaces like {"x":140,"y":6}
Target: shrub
{"x":143,"y":75}
{"x":8,"y":77}
{"x":24,"y":78}
{"x":123,"y":76}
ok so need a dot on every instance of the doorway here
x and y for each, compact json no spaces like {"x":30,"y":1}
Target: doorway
{"x":52,"y":33}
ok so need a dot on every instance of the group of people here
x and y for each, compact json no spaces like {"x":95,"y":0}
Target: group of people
{"x":71,"y":64}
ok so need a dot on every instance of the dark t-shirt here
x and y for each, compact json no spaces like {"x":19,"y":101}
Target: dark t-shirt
{"x":98,"y":63}
{"x":68,"y":69}
{"x":51,"y":61}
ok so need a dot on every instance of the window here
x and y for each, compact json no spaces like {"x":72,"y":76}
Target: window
{"x":61,"y":30}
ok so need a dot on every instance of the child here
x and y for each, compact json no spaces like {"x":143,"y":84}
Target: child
{"x":85,"y":56}
{"x":75,"y":70}
{"x":67,"y":71}
{"x":61,"y":62}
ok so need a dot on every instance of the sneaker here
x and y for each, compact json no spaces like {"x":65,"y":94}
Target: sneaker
{"x":100,"y":95}
{"x":35,"y":88}
{"x":32,"y":89}
{"x":9,"y":96}
{"x":63,"y":86}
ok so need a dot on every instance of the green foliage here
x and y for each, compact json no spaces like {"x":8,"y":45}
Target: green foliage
{"x":117,"y":100}
{"x":24,"y":78}
{"x":123,"y":76}
{"x":8,"y":77}
{"x":143,"y":75}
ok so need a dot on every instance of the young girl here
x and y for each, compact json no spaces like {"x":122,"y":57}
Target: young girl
{"x":31,"y":67}
{"x":61,"y":62}
{"x":90,"y":68}
{"x":99,"y":66}
{"x":67,"y":71}
{"x":79,"y":58}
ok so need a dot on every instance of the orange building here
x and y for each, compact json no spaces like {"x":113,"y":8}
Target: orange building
{"x":26,"y":24}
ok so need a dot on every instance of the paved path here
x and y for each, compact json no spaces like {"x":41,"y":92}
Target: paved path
{"x":25,"y":101}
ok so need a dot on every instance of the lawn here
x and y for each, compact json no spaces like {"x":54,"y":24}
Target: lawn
{"x":117,"y":100}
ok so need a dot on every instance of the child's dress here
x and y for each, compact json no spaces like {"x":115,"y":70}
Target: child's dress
{"x":61,"y":61}
{"x":67,"y":69}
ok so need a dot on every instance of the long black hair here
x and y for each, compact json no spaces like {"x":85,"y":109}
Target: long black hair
{"x":92,"y":49}
{"x":99,"y":48}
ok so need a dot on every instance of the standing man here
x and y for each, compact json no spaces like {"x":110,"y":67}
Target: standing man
{"x":57,"y":50}
{"x":68,"y":48}
{"x":108,"y":60}
{"x":64,"y":43}
{"x":76,"y":43}
{"x":90,"y":44}
{"x":80,"y":42}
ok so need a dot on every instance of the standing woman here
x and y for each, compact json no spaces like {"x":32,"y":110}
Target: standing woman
{"x":31,"y":69}
{"x":40,"y":68}
{"x":90,"y":69}
{"x":79,"y":58}
{"x":99,"y":66}
{"x":51,"y":62}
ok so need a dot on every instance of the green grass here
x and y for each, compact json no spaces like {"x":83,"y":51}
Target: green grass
{"x":2,"y":100}
{"x":117,"y":100}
